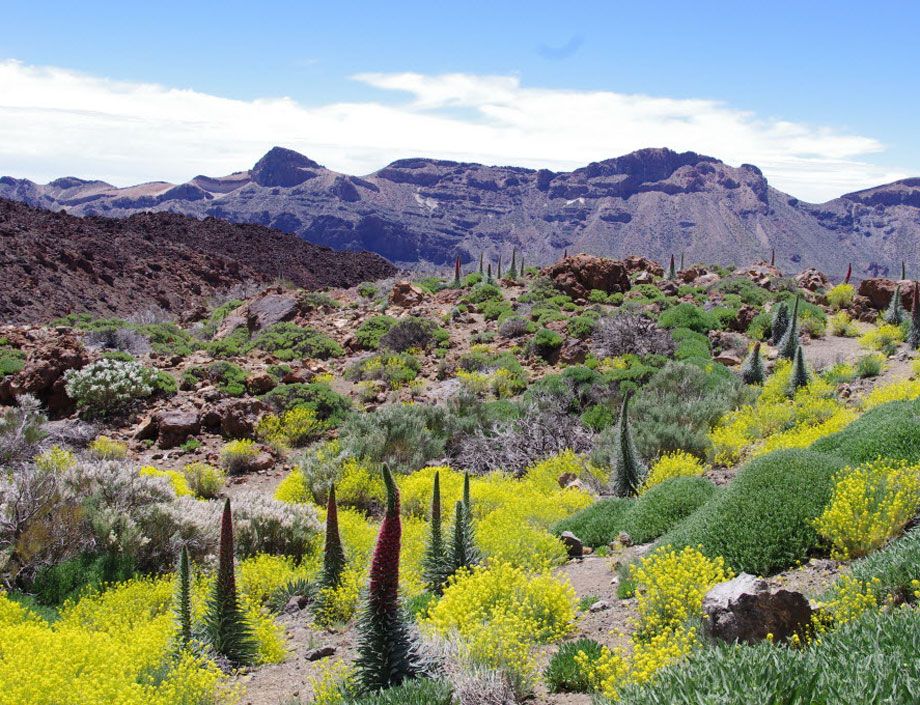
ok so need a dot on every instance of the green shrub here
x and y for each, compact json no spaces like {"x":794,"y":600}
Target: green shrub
{"x":888,"y":431}
{"x":870,"y":660}
{"x":746,"y":290}
{"x":204,"y":480}
{"x":330,"y":407}
{"x":564,"y":674}
{"x":288,"y":341}
{"x":664,"y":506}
{"x":582,"y":326}
{"x":12,"y":360}
{"x":546,"y":343}
{"x":227,"y":377}
{"x":55,"y":584}
{"x":891,"y":570}
{"x":686,"y":315}
{"x":367,"y":289}
{"x":237,"y":456}
{"x":372,"y":330}
{"x":690,"y":344}
{"x":413,"y":332}
{"x":495,"y":310}
{"x":421,"y":691}
{"x":394,"y":369}
{"x":168,"y":339}
{"x":762,"y":521}
{"x":597,"y":417}
{"x":232,"y":345}
{"x":108,"y":387}
{"x":870,"y":365}
{"x":483,"y":292}
{"x":598,"y":524}
{"x":406,"y":437}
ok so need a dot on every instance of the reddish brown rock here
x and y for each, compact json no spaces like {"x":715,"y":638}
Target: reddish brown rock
{"x":43,"y":373}
{"x":643,"y":264}
{"x":879,"y":292}
{"x":176,"y":427}
{"x":406,"y":294}
{"x":812,"y":280}
{"x":260,"y":383}
{"x":578,"y":275}
{"x":235,"y":418}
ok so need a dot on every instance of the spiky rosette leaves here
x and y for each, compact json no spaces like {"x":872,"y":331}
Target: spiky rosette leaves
{"x":628,"y":470}
{"x":489,"y":272}
{"x":229,"y":632}
{"x":183,"y":607}
{"x":773,"y":257}
{"x":512,"y":272}
{"x":333,"y":553}
{"x":790,"y":340}
{"x":463,"y":552}
{"x":895,"y":313}
{"x":903,"y":270}
{"x":846,"y":279}
{"x":672,"y":271}
{"x":779,"y":323}
{"x":480,"y":263}
{"x":457,"y":270}
{"x":799,"y":372}
{"x":387,"y":653}
{"x":913,"y":334}
{"x":467,"y":500}
{"x":681,"y":261}
{"x":752,"y":370}
{"x":499,"y":271}
{"x":434,"y":564}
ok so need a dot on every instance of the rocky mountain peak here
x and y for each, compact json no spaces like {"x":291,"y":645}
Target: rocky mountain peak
{"x":284,"y":167}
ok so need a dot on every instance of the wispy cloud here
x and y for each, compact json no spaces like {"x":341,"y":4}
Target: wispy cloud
{"x":562,"y":51}
{"x":57,"y":122}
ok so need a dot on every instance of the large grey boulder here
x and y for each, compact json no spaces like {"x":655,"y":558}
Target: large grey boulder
{"x":745,"y":609}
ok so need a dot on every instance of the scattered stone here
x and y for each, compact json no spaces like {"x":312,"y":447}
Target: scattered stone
{"x":745,"y":609}
{"x":406,"y":294}
{"x":812,"y":280}
{"x":175,"y":427}
{"x":574,"y":545}
{"x":599,"y":606}
{"x":320,"y":653}
{"x":635,"y":263}
{"x":624,"y":539}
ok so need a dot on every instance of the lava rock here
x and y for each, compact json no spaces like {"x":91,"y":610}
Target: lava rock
{"x":745,"y":609}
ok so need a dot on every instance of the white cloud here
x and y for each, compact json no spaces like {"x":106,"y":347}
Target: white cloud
{"x":57,"y":122}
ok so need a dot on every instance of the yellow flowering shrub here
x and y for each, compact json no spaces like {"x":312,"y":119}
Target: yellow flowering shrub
{"x":106,"y":448}
{"x":850,"y":599}
{"x":777,"y":420}
{"x":883,"y":338}
{"x":510,"y":536}
{"x":176,"y":479}
{"x":360,"y":485}
{"x":293,"y":428}
{"x":338,"y":605}
{"x":841,"y":296}
{"x":236,"y":455}
{"x":870,"y":504}
{"x":55,"y":459}
{"x":112,"y":647}
{"x":293,"y":488}
{"x":676,"y":464}
{"x":500,"y":612}
{"x":842,"y":325}
{"x":261,"y":575}
{"x":902,"y":390}
{"x":670,"y":586}
{"x":334,"y":682}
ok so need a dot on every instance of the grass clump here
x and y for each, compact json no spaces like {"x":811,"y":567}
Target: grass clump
{"x":564,"y":673}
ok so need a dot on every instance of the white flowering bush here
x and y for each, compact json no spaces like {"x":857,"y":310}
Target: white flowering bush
{"x":266,"y":525}
{"x":107,"y":387}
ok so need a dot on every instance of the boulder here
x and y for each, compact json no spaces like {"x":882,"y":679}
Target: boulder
{"x":745,"y":609}
{"x":235,"y":418}
{"x":761,"y":274}
{"x":880,"y":290}
{"x":812,"y":280}
{"x":574,"y":352}
{"x":260,"y":383}
{"x":175,"y":427}
{"x":406,"y":294}
{"x":574,"y":545}
{"x":43,"y":373}
{"x":578,"y":275}
{"x":691,"y":274}
{"x":635,"y":263}
{"x":271,"y":308}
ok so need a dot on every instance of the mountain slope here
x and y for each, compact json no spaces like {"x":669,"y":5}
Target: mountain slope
{"x":655,"y":202}
{"x":52,"y":264}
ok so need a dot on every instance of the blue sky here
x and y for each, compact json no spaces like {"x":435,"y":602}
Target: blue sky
{"x":841,"y":69}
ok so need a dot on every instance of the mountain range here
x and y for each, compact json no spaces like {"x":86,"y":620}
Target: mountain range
{"x":653,"y":202}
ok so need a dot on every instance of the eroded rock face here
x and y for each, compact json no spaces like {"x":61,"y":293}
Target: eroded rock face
{"x":176,"y":427}
{"x":812,"y":280}
{"x":761,"y":274}
{"x":43,"y":374}
{"x":745,"y":609}
{"x":880,"y":290}
{"x":235,"y":418}
{"x":643,"y":264}
{"x":579,"y":274}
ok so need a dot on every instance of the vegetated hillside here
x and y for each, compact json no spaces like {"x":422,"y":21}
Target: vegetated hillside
{"x":653,"y":202}
{"x":52,"y":264}
{"x":556,"y":472}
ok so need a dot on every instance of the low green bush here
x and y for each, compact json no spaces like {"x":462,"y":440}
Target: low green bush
{"x":372,"y":330}
{"x":329,"y":406}
{"x":762,"y":522}
{"x":392,"y":368}
{"x":598,"y":524}
{"x":422,"y":691}
{"x":870,"y":660}
{"x":890,"y":431}
{"x":288,"y":341}
{"x":564,"y":674}
{"x":686,"y":315}
{"x":546,"y":343}
{"x":227,"y":377}
{"x":664,"y":506}
{"x":55,"y":584}
{"x":891,"y":570}
{"x":12,"y":360}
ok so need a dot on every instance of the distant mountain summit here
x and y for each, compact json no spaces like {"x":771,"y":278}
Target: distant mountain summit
{"x":654,"y":202}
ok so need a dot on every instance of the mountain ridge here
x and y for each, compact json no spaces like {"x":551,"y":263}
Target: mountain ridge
{"x":653,"y":201}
